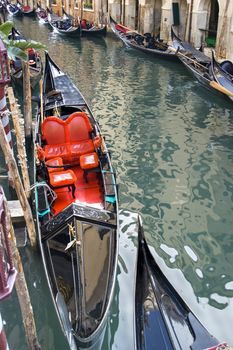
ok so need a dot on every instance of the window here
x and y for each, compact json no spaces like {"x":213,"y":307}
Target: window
{"x":54,"y":2}
{"x":88,"y":4}
{"x":76,"y":4}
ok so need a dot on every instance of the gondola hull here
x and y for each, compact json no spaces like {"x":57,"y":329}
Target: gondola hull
{"x":63,"y":26}
{"x":34,"y":61}
{"x":94,"y":31}
{"x":159,"y":49}
{"x":14,"y":10}
{"x":163,"y":320}
{"x":78,"y":229}
{"x":35,"y":76}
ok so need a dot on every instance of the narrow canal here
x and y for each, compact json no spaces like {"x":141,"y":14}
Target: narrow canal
{"x":172,"y":149}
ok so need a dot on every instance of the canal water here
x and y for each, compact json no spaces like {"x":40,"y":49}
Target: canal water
{"x":172,"y":149}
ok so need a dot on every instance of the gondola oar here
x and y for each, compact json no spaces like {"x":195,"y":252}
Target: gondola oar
{"x":220,"y":88}
{"x":163,"y":320}
{"x":178,"y":53}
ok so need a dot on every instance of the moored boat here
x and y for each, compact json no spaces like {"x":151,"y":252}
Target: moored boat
{"x":163,"y":320}
{"x":76,"y":209}
{"x":145,"y":43}
{"x":63,"y":25}
{"x":13,"y":9}
{"x":87,"y":28}
{"x":26,"y":9}
{"x":205,"y":69}
{"x":34,"y":60}
{"x":42,"y":15}
{"x":223,"y":76}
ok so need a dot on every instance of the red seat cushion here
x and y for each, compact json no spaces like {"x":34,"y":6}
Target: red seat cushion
{"x":82,"y":147}
{"x":57,"y":162}
{"x":89,"y":161}
{"x":52,"y":151}
{"x":62,"y":178}
{"x":67,"y":139}
{"x":79,"y":127}
{"x":53,"y":131}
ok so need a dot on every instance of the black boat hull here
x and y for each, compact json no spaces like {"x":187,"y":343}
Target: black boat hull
{"x":163,"y":319}
{"x":165,"y":52}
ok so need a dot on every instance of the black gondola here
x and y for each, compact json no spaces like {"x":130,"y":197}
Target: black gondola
{"x":223,"y":75}
{"x":26,"y":9}
{"x":34,"y":60}
{"x":76,"y":209}
{"x":206,"y":70}
{"x":87,"y":28}
{"x":13,"y":9}
{"x":42,"y":15}
{"x":163,"y":319}
{"x":63,"y":25}
{"x":145,"y":43}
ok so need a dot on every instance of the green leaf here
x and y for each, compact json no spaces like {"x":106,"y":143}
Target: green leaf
{"x":23,"y":45}
{"x":6,"y":28}
{"x":15,"y":52}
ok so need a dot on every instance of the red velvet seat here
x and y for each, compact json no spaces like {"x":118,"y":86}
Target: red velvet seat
{"x":89,"y":162}
{"x":58,"y":177}
{"x":67,"y":139}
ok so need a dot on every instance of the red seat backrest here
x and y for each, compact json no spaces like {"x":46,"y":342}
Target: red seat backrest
{"x":79,"y":127}
{"x":53,"y":131}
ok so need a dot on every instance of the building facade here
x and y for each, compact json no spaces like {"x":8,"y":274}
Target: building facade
{"x":201,"y":22}
{"x":208,"y":22}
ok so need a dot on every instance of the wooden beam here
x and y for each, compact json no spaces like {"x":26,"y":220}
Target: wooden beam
{"x":10,"y":161}
{"x":20,"y":141}
{"x":22,"y":289}
{"x":27,"y":100}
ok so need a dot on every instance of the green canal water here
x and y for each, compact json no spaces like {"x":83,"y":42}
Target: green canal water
{"x":172,"y":149}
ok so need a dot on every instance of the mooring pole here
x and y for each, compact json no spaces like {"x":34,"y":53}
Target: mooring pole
{"x":10,"y":161}
{"x":20,"y":141}
{"x":4,"y":80}
{"x":27,"y":101}
{"x":20,"y":282}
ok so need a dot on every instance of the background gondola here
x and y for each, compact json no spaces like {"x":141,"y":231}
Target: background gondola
{"x":34,"y":60}
{"x":63,"y":25}
{"x":204,"y":68}
{"x":145,"y":43}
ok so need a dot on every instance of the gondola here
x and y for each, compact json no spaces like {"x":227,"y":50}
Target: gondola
{"x":203,"y":68}
{"x":26,"y":9}
{"x":162,"y":319}
{"x":145,"y":43}
{"x":223,"y":76}
{"x":34,"y":60}
{"x":63,"y":25}
{"x":13,"y":9}
{"x":76,"y":209}
{"x":87,"y":28}
{"x":42,"y":15}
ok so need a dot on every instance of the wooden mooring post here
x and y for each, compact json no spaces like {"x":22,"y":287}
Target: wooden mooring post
{"x":11,"y":163}
{"x":20,"y":282}
{"x":20,"y":141}
{"x":27,"y":101}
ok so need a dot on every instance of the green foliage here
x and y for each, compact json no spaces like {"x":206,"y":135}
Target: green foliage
{"x":17,"y":48}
